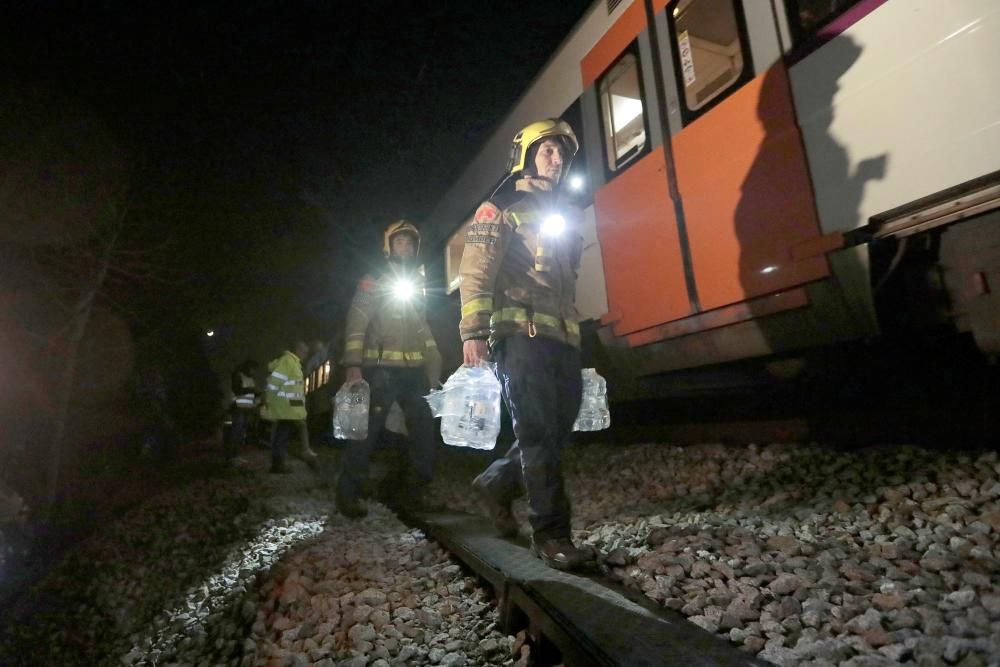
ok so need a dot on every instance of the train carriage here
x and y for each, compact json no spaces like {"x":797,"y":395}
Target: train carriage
{"x":764,"y":178}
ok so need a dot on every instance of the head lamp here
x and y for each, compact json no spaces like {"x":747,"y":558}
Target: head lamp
{"x":403,"y":289}
{"x":553,"y":225}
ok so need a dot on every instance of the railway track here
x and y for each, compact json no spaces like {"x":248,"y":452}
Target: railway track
{"x":575,"y":620}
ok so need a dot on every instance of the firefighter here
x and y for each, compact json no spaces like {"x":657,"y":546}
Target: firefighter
{"x":518,"y":282}
{"x":285,"y":402}
{"x":389,"y":344}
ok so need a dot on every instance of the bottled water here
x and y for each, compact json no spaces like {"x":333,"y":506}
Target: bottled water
{"x":594,"y":413}
{"x":350,"y":411}
{"x":469,"y":407}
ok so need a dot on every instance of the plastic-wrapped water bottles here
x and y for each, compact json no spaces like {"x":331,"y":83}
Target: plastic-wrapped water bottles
{"x":469,"y":407}
{"x":350,"y":411}
{"x":594,"y":413}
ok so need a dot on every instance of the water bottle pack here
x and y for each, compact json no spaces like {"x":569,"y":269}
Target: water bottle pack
{"x":594,"y":413}
{"x":350,"y":411}
{"x":469,"y":407}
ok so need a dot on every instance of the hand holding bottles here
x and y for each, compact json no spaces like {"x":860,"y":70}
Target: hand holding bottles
{"x":350,"y":411}
{"x":594,"y":413}
{"x":469,"y":407}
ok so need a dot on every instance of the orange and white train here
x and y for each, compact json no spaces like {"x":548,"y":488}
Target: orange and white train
{"x":763,"y":178}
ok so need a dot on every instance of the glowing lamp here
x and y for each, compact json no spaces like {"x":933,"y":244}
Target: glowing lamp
{"x":576,"y":183}
{"x":403,"y":289}
{"x":554,"y":225}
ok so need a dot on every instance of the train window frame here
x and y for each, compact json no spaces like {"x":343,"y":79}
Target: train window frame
{"x":800,"y":34}
{"x":582,"y":196}
{"x":689,"y":115}
{"x":621,"y":164}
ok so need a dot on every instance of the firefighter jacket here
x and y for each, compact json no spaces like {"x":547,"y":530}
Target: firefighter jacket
{"x":285,"y":397}
{"x":384,"y":330}
{"x":514,"y":277}
{"x":244,"y":391}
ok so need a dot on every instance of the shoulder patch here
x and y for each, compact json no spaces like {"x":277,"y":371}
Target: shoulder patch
{"x":367,"y":284}
{"x":487,"y":212}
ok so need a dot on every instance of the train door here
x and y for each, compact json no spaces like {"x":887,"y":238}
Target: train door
{"x":741,"y":167}
{"x":637,"y":224}
{"x":712,"y":217}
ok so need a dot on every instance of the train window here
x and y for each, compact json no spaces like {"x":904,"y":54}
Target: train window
{"x":808,"y":16}
{"x":709,"y":49}
{"x":623,"y":115}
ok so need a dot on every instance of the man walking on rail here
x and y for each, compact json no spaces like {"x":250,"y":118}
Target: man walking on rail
{"x":518,"y":286}
{"x":390,"y":345}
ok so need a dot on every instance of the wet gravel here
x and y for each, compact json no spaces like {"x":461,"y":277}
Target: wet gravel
{"x":799,"y":554}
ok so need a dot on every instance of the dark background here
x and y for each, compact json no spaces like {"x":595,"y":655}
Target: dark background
{"x":275,"y":140}
{"x":244,"y":157}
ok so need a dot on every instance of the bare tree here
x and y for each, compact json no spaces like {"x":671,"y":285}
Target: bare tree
{"x":68,"y":192}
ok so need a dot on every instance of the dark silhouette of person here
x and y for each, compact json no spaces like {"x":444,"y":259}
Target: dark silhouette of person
{"x":777,"y":193}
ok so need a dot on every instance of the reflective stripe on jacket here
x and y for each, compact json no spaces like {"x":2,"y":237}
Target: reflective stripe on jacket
{"x":514,"y":277}
{"x":244,"y":389}
{"x":385,"y":331}
{"x":286,"y":389}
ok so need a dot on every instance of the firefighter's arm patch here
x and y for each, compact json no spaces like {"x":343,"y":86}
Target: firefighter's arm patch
{"x":487,"y":212}
{"x":367,"y":284}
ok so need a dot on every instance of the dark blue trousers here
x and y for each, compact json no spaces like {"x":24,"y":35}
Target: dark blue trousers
{"x":281,"y":432}
{"x":542,"y":388}
{"x":407,"y":386}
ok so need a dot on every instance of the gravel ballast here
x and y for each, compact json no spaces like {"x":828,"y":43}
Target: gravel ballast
{"x":796,"y":553}
{"x":254,"y":569}
{"x":799,"y":554}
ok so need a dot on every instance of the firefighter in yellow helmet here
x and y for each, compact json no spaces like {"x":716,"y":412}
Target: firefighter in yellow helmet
{"x":518,"y":282}
{"x":389,"y":344}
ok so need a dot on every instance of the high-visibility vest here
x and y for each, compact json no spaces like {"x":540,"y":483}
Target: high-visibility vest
{"x":245,"y":396}
{"x":286,"y":389}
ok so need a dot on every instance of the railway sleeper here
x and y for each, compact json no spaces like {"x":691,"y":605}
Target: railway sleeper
{"x":572,"y":619}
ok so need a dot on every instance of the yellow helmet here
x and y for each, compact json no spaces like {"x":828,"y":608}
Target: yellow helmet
{"x":399,"y":227}
{"x":543,"y":129}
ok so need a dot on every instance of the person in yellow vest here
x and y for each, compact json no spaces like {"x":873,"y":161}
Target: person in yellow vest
{"x":518,"y":287}
{"x":389,"y":344}
{"x":285,"y":402}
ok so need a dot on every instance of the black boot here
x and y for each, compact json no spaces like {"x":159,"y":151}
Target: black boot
{"x":560,"y":553}
{"x":503,"y":519}
{"x":411,"y":499}
{"x":280,"y":468}
{"x":350,"y":506}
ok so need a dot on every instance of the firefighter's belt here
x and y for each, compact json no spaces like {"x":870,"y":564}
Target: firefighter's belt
{"x":520,"y":315}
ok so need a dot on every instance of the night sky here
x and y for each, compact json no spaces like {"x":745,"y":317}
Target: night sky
{"x":277,"y":139}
